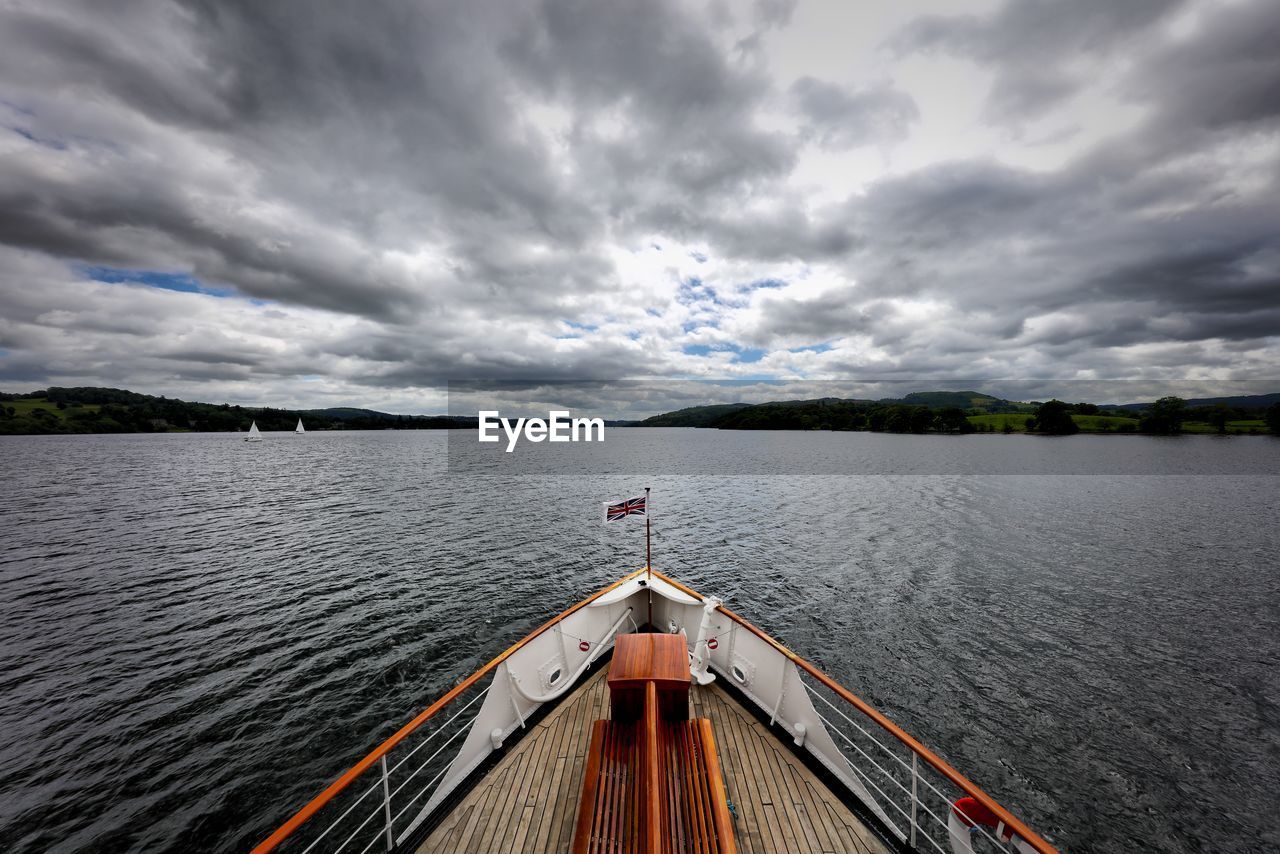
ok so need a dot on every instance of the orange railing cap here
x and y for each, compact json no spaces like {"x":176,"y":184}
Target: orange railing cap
{"x":938,"y":763}
{"x":317,"y":803}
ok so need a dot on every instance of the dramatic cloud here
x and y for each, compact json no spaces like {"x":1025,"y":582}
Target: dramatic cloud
{"x":323,"y":202}
{"x":840,"y":118}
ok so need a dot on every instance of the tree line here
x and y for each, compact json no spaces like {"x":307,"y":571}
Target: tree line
{"x":113,"y":410}
{"x":1165,"y":417}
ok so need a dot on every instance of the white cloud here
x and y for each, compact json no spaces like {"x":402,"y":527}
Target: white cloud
{"x":926,"y":189}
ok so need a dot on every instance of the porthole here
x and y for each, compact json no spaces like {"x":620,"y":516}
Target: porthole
{"x":738,"y":675}
{"x":554,"y":677}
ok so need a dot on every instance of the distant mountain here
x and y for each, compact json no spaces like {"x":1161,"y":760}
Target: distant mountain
{"x":693,"y":416}
{"x":347,"y":413}
{"x":939,"y":399}
{"x":797,"y":414}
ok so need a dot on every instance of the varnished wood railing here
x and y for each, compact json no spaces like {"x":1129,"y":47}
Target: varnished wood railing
{"x":925,"y":754}
{"x":340,"y":785}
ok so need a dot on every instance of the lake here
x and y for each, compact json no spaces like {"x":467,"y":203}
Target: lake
{"x":199,"y":634}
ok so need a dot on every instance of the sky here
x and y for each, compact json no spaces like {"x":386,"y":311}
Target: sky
{"x":330,"y":203}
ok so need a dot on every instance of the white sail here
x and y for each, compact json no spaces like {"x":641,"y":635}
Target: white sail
{"x":299,"y":428}
{"x":254,"y":434}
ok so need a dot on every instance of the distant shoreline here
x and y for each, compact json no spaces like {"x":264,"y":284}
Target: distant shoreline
{"x":98,"y":411}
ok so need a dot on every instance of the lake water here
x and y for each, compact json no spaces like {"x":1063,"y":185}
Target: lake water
{"x":199,"y":634}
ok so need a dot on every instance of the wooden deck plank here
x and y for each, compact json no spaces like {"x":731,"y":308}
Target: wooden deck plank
{"x":753,"y":819}
{"x":529,"y":799}
{"x":773,"y":767}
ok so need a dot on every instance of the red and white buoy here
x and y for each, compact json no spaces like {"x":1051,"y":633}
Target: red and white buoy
{"x":966,"y":815}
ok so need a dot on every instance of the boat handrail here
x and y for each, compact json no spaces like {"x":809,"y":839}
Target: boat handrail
{"x":568,"y":684}
{"x":379,"y":753}
{"x":928,"y":756}
{"x":919,"y":751}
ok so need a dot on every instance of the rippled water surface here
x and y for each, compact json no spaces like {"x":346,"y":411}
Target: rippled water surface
{"x":197,"y":634}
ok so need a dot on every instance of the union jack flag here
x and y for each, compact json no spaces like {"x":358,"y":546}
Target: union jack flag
{"x":615,"y":510}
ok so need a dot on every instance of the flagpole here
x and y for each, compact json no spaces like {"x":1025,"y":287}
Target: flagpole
{"x":648,"y":561}
{"x":648,"y":555}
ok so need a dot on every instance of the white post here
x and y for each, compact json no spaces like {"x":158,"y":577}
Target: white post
{"x":915,"y":775}
{"x":386,"y":801}
{"x":701,"y":654}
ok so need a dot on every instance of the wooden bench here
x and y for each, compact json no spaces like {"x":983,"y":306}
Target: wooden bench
{"x":653,"y":785}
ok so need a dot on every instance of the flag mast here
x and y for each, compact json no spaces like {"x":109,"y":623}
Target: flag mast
{"x":648,"y":562}
{"x":648,"y":555}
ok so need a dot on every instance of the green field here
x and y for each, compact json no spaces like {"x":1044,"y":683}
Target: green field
{"x":1087,"y":423}
{"x":1256,"y":425}
{"x":1111,"y":424}
{"x":1016,"y":420}
{"x":24,"y":407}
{"x":1104,"y":423}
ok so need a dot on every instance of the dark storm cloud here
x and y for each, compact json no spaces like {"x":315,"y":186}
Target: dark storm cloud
{"x":428,"y":190}
{"x":1036,"y":47}
{"x":988,"y":238}
{"x":817,"y":319}
{"x":841,"y":118}
{"x":358,"y":117}
{"x":673,"y":106}
{"x":1226,"y":77}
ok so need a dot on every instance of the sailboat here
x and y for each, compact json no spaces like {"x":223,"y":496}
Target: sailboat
{"x":299,"y":430}
{"x":254,"y":434}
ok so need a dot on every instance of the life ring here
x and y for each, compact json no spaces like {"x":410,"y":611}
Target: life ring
{"x":966,"y":815}
{"x":584,"y":645}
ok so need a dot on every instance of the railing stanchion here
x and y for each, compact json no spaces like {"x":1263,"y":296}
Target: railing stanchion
{"x":915,"y":775}
{"x":386,"y":801}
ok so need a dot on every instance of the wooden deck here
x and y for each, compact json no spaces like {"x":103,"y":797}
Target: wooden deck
{"x":529,"y":800}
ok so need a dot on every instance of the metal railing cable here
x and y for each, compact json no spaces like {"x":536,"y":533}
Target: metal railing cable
{"x":339,"y":787}
{"x":920,"y":752}
{"x":418,"y":770}
{"x":381,"y":806}
{"x":385,"y":804}
{"x":421,"y":792}
{"x":888,"y":799}
{"x":340,"y":818}
{"x":439,"y":729}
{"x":915,"y":800}
{"x":890,"y":777}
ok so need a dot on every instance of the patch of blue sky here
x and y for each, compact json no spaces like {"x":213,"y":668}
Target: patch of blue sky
{"x":748,"y":355}
{"x":581,"y":327}
{"x":747,"y":378}
{"x":812,"y":348}
{"x":47,"y":142}
{"x":741,"y":355}
{"x":701,"y":323}
{"x":692,"y":290}
{"x":180,"y":282}
{"x":761,"y":284}
{"x":700,"y":257}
